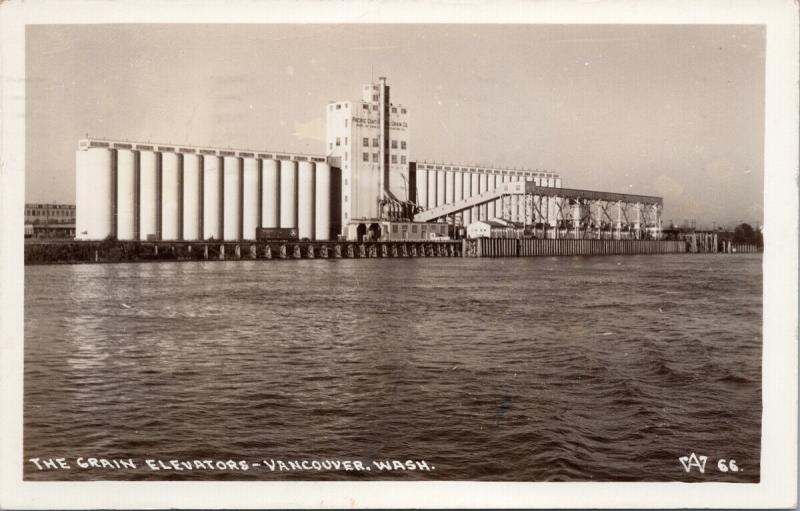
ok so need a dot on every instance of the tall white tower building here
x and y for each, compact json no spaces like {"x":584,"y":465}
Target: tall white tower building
{"x":370,"y":137}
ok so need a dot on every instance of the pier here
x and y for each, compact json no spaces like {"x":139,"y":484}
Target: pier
{"x":122,"y":251}
{"x":493,"y":247}
{"x":70,"y":251}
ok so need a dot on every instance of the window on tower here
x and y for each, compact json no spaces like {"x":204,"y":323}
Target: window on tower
{"x":374,"y":97}
{"x":365,"y":142}
{"x":394,"y":158}
{"x":375,"y":157}
{"x":366,"y":157}
{"x":394,"y":144}
{"x":402,"y":159}
{"x":402,"y":144}
{"x":338,"y":141}
{"x":374,"y":142}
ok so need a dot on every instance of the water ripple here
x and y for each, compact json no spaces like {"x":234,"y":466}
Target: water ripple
{"x":541,"y":369}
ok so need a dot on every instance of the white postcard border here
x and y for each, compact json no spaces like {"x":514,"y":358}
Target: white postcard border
{"x":779,"y":429}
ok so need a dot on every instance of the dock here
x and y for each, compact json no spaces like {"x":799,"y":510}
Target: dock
{"x":71,"y":251}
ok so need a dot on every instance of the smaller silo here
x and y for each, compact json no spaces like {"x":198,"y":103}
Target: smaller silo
{"x":288,"y":178}
{"x":192,"y":167}
{"x":250,"y":191}
{"x":126,"y":199}
{"x":232,"y":202}
{"x":322,"y":207}
{"x":148,"y":195}
{"x":270,"y":194}
{"x":212,"y":188}
{"x":170,"y":196}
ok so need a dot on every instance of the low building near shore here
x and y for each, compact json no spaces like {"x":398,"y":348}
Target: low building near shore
{"x":494,"y":228}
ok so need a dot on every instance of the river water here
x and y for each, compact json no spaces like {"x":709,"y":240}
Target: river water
{"x":527,"y":369}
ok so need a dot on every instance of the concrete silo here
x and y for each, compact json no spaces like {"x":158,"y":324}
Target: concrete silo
{"x":126,"y":194}
{"x":422,"y":188}
{"x":250,"y":191}
{"x":170,"y":196}
{"x":212,"y":197}
{"x":458,"y":186}
{"x":431,"y":189}
{"x":483,"y":187}
{"x":288,"y":178}
{"x":467,"y":194}
{"x":93,"y":194}
{"x":491,"y":208}
{"x":192,"y":167}
{"x":148,"y":195}
{"x":449,"y":180}
{"x":322,"y":209}
{"x":440,"y":188}
{"x":552,"y":207}
{"x":232,"y":202}
{"x":475,"y":189}
{"x":515,"y":203}
{"x":305,"y":200}
{"x":270,"y":194}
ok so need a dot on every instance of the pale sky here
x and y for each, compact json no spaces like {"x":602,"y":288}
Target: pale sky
{"x":675,"y":111}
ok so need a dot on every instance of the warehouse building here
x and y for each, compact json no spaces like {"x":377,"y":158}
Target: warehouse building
{"x":495,"y":228}
{"x":362,"y":186}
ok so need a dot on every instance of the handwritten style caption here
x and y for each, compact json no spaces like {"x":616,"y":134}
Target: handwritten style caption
{"x":271,"y":465}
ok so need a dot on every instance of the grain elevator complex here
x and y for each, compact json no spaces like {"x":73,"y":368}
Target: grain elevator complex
{"x":365,"y":186}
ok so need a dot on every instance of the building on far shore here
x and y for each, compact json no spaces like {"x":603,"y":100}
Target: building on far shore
{"x":49,"y":220}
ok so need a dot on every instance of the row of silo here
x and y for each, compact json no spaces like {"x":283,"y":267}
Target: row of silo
{"x":147,"y":192}
{"x":442,"y":185}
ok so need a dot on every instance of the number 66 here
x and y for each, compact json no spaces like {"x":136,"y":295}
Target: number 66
{"x":731,"y":466}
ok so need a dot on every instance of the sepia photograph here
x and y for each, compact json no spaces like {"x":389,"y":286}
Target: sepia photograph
{"x":429,"y":251}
